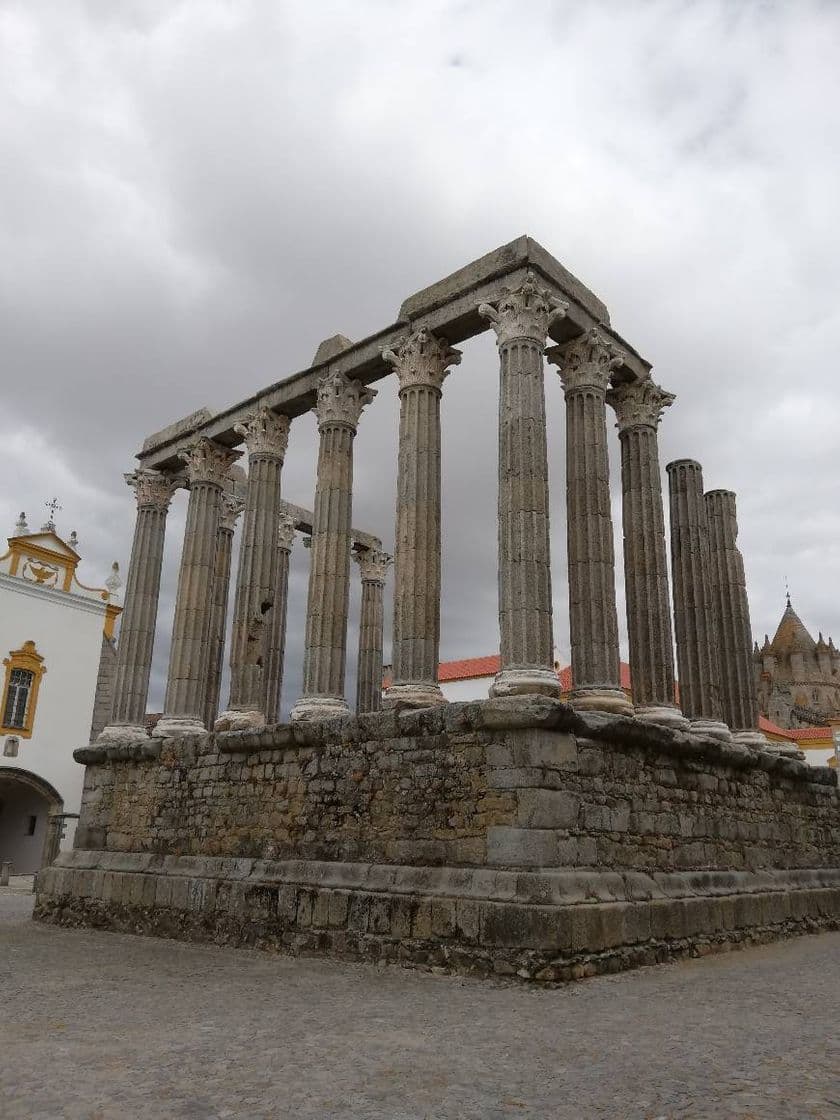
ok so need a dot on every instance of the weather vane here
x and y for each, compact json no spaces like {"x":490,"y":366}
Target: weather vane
{"x":787,"y":590}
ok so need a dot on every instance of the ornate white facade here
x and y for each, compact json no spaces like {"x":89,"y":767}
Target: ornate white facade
{"x":56,"y":660}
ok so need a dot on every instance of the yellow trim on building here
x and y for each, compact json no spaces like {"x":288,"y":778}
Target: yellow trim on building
{"x":28,"y":659}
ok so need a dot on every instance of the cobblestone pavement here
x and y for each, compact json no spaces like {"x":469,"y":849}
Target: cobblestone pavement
{"x":97,"y":1026}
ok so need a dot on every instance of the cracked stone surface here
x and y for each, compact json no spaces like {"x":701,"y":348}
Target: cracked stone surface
{"x":105,"y":1027}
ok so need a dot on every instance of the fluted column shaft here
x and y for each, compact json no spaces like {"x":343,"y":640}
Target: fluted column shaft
{"x":639,"y":408}
{"x":340,"y":402}
{"x":273,"y":676}
{"x":585,"y":368}
{"x":373,"y":565}
{"x":207,"y":464}
{"x":231,"y":508}
{"x":521,"y":320}
{"x":694,"y":623}
{"x":266,"y":436}
{"x":153,"y":492}
{"x":421,"y":362}
{"x":732,"y":614}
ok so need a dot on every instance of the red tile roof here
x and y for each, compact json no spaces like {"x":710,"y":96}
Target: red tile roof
{"x":472,"y":667}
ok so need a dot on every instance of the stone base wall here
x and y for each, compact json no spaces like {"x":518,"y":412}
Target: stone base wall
{"x":503,"y":837}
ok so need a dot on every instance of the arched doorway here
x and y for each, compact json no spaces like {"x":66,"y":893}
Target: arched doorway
{"x":27,"y":803}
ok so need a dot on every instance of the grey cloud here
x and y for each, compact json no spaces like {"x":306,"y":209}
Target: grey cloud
{"x":195,"y":194}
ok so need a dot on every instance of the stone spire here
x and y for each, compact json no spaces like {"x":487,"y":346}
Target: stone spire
{"x":585,"y":367}
{"x":339,"y":405}
{"x":638,"y":407}
{"x":421,"y":362}
{"x":521,"y":320}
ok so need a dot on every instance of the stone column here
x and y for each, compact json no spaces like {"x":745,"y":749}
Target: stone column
{"x":694,"y":623}
{"x":374,"y":566}
{"x":232,"y":506}
{"x":731,"y":608}
{"x":266,"y":435}
{"x":586,"y":365}
{"x":521,"y":320}
{"x":339,"y":406}
{"x":421,"y":362}
{"x":153,"y":492}
{"x":638,"y":408}
{"x":273,"y":676}
{"x":183,"y":712}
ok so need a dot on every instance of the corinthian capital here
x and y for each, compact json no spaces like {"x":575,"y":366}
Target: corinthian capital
{"x":232,"y":506}
{"x":639,"y":404}
{"x":152,"y":489}
{"x":265,"y":432}
{"x":586,"y":362}
{"x":208,"y":461}
{"x":524,"y":312}
{"x":373,"y":564}
{"x":422,"y":359}
{"x":341,"y":400}
{"x":286,"y":530}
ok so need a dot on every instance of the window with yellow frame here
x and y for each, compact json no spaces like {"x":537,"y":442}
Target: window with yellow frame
{"x":24,"y":670}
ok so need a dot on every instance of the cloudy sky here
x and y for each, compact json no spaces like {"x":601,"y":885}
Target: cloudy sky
{"x":195,"y":192}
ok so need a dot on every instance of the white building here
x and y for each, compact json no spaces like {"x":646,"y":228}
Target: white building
{"x":57,"y":655}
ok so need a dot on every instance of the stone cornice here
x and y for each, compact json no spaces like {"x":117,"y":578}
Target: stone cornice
{"x":525,"y":312}
{"x":153,"y":489}
{"x":208,"y":461}
{"x":587,"y":362}
{"x":422,"y":360}
{"x":265,"y":432}
{"x":373,"y":564}
{"x":66,"y":598}
{"x":341,"y":400}
{"x":639,"y":404}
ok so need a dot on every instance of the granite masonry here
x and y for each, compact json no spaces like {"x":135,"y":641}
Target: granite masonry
{"x":517,"y":836}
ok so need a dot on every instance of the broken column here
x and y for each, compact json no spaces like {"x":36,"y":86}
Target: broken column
{"x":153,"y":492}
{"x":585,"y":367}
{"x":186,"y":688}
{"x":694,"y":623}
{"x":232,"y":506}
{"x":638,"y":407}
{"x":338,"y":408}
{"x":421,"y":363}
{"x":273,"y":676}
{"x":266,"y":435}
{"x":373,"y":567}
{"x":521,"y":320}
{"x":739,"y":705}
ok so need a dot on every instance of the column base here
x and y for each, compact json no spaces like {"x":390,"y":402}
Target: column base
{"x":750,"y":737}
{"x":171,"y":727}
{"x":610,"y":700}
{"x":712,"y":729}
{"x":123,"y":733}
{"x":313,"y":708}
{"x":525,"y":682}
{"x":413,"y":694}
{"x":666,"y":715}
{"x":236,"y":719}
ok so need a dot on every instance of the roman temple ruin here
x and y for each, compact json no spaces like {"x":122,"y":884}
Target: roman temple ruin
{"x":517,"y":835}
